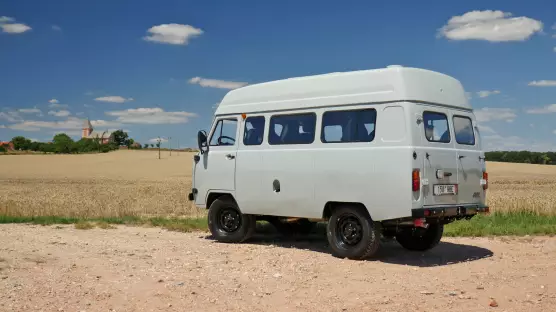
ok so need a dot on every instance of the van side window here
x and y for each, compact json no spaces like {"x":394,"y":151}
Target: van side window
{"x":463,"y":128}
{"x":254,"y":129}
{"x":224,"y":133}
{"x":436,"y":127}
{"x":292,"y":129}
{"x":348,"y":126}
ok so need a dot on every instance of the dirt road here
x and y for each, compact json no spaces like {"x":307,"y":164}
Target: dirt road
{"x":60,"y":268}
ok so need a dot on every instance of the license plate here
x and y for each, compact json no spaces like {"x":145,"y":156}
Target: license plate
{"x":445,"y":189}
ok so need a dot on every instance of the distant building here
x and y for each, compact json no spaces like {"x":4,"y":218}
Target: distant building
{"x":88,"y":133}
{"x":7,"y":145}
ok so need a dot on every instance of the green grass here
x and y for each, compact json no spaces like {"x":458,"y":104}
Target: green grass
{"x":497,"y":224}
{"x":512,"y":224}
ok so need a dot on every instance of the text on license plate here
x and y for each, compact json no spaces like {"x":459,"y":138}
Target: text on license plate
{"x":445,"y":189}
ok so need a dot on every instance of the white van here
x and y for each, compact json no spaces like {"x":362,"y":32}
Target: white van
{"x":393,"y":151}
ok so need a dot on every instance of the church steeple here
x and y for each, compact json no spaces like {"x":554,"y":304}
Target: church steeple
{"x":87,"y":128}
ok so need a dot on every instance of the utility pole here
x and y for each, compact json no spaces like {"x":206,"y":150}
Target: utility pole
{"x":159,"y":147}
{"x":170,"y":145}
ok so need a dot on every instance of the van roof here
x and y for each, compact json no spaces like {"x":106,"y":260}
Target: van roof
{"x":393,"y":83}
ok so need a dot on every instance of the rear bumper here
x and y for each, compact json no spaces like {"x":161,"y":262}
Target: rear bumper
{"x":449,"y":211}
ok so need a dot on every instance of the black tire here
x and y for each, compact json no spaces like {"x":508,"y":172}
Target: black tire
{"x":420,"y":239}
{"x":226,"y":222}
{"x":301,"y":226}
{"x":352,"y":233}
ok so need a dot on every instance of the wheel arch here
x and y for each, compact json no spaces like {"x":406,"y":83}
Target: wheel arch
{"x":212,"y":196}
{"x":330,"y":206}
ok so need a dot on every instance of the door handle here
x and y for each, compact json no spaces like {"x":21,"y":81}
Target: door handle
{"x":461,"y":156}
{"x":230,"y":156}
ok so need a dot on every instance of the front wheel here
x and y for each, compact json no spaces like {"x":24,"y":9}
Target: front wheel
{"x":227,"y":223}
{"x":352,"y":234}
{"x":419,"y":239}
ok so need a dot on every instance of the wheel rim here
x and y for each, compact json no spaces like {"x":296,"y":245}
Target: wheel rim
{"x":229,"y":220}
{"x":349,"y":230}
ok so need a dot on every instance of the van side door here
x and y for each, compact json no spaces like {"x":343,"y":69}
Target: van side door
{"x":440,"y":163}
{"x":470,"y":160}
{"x":219,"y":163}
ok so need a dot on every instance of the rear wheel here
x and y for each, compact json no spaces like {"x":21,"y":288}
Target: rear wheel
{"x":419,"y":239}
{"x":352,"y":234}
{"x":227,"y":223}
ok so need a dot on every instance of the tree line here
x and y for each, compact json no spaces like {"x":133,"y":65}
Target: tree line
{"x":526,"y":157}
{"x":63,"y":144}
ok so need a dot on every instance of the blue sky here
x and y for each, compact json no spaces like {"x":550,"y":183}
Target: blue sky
{"x":158,"y":68}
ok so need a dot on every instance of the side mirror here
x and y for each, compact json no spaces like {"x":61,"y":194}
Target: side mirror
{"x":202,"y":141}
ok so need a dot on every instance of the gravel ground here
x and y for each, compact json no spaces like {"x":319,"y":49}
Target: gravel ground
{"x":60,"y":268}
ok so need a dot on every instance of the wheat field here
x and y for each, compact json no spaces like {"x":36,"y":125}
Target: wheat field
{"x":137,"y":183}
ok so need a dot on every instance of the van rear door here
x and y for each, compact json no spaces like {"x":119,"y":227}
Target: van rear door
{"x":470,"y":159}
{"x":440,"y":168}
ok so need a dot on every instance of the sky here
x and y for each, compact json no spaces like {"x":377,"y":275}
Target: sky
{"x":159,"y":68}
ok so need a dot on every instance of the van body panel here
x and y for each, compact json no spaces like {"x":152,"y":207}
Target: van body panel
{"x":470,"y":161}
{"x":216,"y":169}
{"x":382,"y":85}
{"x":440,"y":165}
{"x":382,"y":184}
{"x":288,"y":182}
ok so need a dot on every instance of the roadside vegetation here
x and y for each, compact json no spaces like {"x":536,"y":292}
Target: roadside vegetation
{"x":63,"y":144}
{"x":526,"y":157}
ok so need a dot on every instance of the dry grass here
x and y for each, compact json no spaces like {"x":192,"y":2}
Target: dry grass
{"x":123,"y":183}
{"x":522,"y":188}
{"x":136,"y":183}
{"x":84,"y":225}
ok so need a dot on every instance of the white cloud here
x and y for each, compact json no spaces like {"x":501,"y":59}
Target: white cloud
{"x":486,"y":129}
{"x":489,"y":114}
{"x":61,"y":113}
{"x":486,"y":93}
{"x":554,"y":131}
{"x":494,"y":26}
{"x":9,"y":26}
{"x":542,"y":83}
{"x":155,"y":140}
{"x":105,"y":124}
{"x":172,"y":33}
{"x":10,"y":116}
{"x":151,"y":116}
{"x":29,"y":111}
{"x":113,"y":99}
{"x":468,"y":95}
{"x":214,"y":83}
{"x":16,"y":28}
{"x":53,"y":101}
{"x":2,"y":127}
{"x":6,"y":19}
{"x":71,"y":123}
{"x":56,"y":28}
{"x":58,"y":106}
{"x":79,"y":113}
{"x":543,"y":110}
{"x":515,"y":143}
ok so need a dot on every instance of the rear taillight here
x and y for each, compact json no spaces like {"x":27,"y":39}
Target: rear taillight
{"x":485,"y":179}
{"x":415,"y":180}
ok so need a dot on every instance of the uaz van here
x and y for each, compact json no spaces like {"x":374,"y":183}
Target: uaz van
{"x":393,"y":152}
